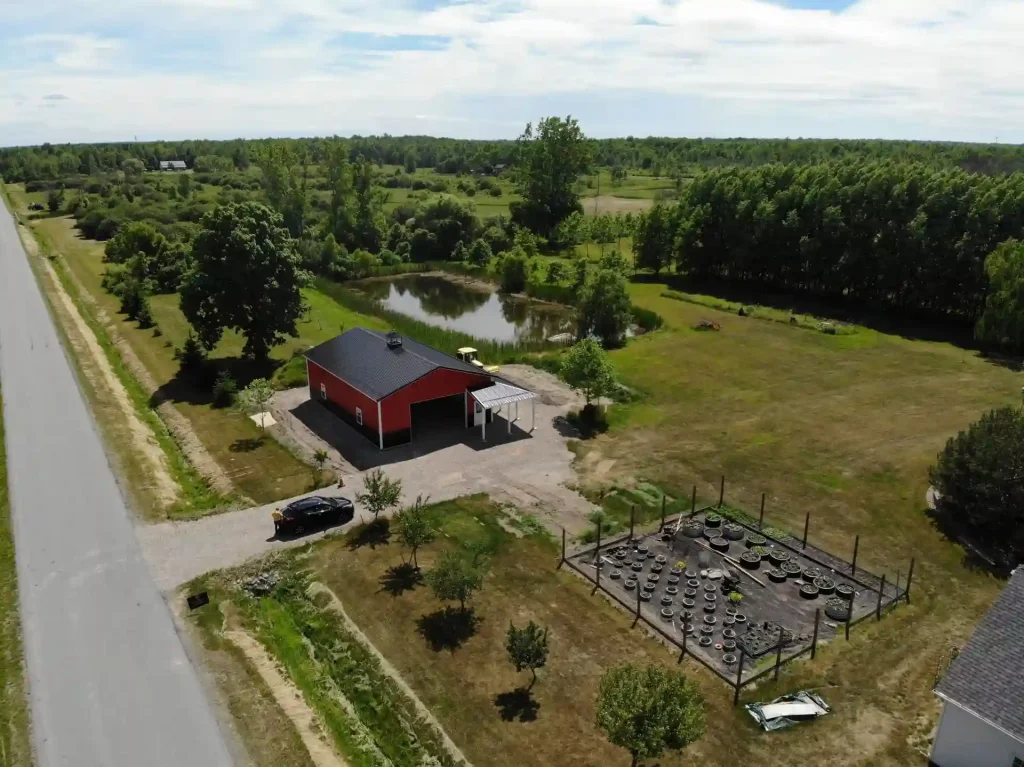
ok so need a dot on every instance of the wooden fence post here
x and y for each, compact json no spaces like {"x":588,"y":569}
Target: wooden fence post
{"x":778,"y":656}
{"x":760,"y":521}
{"x":662,"y":527}
{"x":693,"y":502}
{"x":878,"y":608}
{"x":910,"y":574}
{"x":739,"y":677}
{"x":721,"y":492}
{"x":807,"y":526}
{"x":637,"y":619}
{"x":814,"y":640}
{"x":562,"y":562}
{"x":849,"y":617}
{"x":597,"y":557}
{"x":683,"y":653}
{"x":632,"y":519}
{"x":856,"y":547}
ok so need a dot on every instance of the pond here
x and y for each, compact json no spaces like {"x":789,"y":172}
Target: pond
{"x":472,"y":309}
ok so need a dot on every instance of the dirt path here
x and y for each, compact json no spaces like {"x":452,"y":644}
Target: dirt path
{"x":289,"y":699}
{"x":96,"y":367}
{"x":336,"y":605}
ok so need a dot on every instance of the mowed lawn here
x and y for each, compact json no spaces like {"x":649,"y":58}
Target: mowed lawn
{"x":266,"y":473}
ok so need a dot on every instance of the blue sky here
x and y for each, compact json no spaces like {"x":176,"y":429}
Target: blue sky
{"x":85,"y":70}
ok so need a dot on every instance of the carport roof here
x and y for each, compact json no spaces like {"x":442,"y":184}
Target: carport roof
{"x":500,"y":394}
{"x":363,"y":359}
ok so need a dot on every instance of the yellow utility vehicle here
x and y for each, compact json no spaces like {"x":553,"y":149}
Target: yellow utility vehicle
{"x":468,"y":354}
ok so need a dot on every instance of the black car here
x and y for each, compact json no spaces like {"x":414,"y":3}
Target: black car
{"x":311,"y":513}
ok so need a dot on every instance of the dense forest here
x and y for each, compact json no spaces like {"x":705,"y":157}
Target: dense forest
{"x":660,"y":156}
{"x":901,"y":235}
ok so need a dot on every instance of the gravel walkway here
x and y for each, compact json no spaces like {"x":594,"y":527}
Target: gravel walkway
{"x":531,"y":471}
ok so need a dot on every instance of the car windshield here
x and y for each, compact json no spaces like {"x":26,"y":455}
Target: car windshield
{"x":301,"y":507}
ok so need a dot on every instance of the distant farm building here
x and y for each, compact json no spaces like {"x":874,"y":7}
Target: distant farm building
{"x":982,"y":692}
{"x":173,"y":165}
{"x":388,"y":387}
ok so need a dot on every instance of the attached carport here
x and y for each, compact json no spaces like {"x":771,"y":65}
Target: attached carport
{"x":496,"y":396}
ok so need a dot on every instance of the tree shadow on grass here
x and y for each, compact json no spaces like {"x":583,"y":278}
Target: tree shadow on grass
{"x":448,"y":629}
{"x":517,"y":705}
{"x":373,"y":534}
{"x":246,"y":445}
{"x":401,"y":578}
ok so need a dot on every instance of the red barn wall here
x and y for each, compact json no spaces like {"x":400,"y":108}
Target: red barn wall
{"x":344,"y":399}
{"x":396,"y":408}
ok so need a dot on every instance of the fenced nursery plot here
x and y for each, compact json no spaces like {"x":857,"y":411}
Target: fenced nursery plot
{"x":740,"y":601}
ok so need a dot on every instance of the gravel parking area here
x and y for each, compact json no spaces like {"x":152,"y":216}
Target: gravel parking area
{"x":531,"y":471}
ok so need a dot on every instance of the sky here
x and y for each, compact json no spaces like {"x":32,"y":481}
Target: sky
{"x":86,"y":70}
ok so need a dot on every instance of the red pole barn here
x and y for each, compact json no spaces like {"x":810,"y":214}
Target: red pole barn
{"x":386,"y":386}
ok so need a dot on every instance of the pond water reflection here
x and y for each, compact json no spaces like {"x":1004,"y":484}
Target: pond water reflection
{"x":475,"y":310}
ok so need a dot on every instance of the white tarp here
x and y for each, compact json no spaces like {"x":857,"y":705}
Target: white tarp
{"x":787,"y":710}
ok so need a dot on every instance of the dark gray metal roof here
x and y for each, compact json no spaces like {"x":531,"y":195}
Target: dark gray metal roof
{"x":987,"y":678}
{"x":363,"y":359}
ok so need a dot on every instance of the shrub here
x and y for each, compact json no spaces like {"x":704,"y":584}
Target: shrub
{"x":224,"y":390}
{"x":513,"y":272}
{"x":495,"y":191}
{"x":144,"y":315}
{"x":192,"y":356}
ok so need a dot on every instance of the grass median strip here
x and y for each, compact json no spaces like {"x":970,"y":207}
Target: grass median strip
{"x":15,"y":741}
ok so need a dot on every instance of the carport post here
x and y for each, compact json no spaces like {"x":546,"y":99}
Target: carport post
{"x":739,"y":677}
{"x":533,"y":414}
{"x":814,"y":640}
{"x":562,"y":562}
{"x":807,"y":524}
{"x":508,"y":417}
{"x":483,"y":426}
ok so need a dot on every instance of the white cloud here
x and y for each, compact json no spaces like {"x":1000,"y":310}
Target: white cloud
{"x":898,"y":68}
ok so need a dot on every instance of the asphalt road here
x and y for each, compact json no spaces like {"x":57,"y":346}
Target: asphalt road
{"x":109,"y":680}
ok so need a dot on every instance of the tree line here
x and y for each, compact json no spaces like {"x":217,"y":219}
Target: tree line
{"x":660,"y":156}
{"x":900,"y":236}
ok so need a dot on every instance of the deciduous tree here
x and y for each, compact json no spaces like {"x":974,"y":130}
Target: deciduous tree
{"x":414,"y":527}
{"x":455,"y":578}
{"x":587,"y":370}
{"x":549,"y":160}
{"x":1002,"y":321}
{"x":648,"y":711}
{"x":244,"y":276}
{"x":604,"y":308}
{"x":527,"y":648}
{"x":253,"y":399}
{"x":380,"y":492}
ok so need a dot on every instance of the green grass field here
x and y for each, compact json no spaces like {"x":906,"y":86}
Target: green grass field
{"x":15,"y":743}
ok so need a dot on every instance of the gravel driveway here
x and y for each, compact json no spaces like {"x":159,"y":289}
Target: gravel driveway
{"x":530,"y":470}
